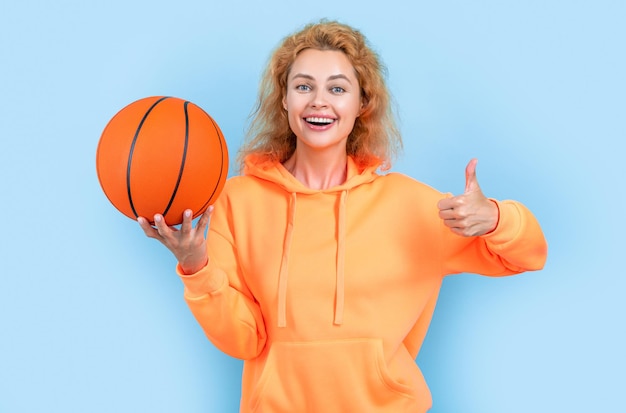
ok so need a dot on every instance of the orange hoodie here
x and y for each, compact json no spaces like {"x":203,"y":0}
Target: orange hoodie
{"x":327,"y":294}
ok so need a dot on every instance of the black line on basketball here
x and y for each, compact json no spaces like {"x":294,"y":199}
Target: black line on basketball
{"x":184,"y":158}
{"x":217,"y":183}
{"x":132,"y":149}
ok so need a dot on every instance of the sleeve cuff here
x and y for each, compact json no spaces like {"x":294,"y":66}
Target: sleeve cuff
{"x":509,"y":223}
{"x":204,"y":282}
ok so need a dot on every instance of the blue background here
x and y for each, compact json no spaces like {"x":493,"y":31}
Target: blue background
{"x":92,"y":317}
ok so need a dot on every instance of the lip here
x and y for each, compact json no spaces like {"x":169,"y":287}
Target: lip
{"x":319,"y":122}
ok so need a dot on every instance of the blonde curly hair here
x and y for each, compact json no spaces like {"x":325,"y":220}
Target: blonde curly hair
{"x":374,"y":140}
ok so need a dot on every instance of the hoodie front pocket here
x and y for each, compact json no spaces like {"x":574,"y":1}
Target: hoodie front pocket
{"x":331,"y":376}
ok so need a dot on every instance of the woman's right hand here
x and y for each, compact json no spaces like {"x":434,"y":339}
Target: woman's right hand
{"x":187,"y":243}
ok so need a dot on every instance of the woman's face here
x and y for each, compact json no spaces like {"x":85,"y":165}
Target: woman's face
{"x":323,"y":99}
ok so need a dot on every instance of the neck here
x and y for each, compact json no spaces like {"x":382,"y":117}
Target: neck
{"x":318,"y":171}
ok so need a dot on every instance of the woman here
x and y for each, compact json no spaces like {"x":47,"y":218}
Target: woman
{"x":319,"y":271}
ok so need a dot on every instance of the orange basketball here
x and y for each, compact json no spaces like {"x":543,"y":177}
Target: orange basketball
{"x":162,"y":155}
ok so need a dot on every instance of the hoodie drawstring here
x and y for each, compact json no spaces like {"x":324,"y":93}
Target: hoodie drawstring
{"x":340,"y":265}
{"x":341,"y":259}
{"x":284,"y":265}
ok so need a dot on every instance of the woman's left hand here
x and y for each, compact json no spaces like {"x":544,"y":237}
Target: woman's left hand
{"x":188,"y":244}
{"x":470,"y":214}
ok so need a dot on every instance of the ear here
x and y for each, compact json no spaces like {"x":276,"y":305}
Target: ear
{"x":364,"y":103}
{"x":284,"y":102}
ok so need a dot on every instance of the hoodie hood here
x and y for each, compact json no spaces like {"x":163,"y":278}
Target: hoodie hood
{"x":276,"y":173}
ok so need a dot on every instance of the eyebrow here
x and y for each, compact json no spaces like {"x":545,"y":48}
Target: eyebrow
{"x":333,"y":77}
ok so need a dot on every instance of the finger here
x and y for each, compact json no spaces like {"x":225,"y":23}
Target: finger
{"x":448,"y":214}
{"x":187,"y":225}
{"x":161,"y":225}
{"x":459,"y":231}
{"x":446,"y":203}
{"x":147,"y":228}
{"x":203,"y":222}
{"x":454,"y":224}
{"x":471,"y":182}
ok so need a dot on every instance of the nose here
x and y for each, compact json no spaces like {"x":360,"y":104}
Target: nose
{"x":318,"y":99}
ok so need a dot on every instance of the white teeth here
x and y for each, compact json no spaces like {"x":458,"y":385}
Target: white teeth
{"x":319,"y":120}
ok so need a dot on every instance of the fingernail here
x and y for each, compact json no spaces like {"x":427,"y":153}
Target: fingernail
{"x":157,"y":218}
{"x":187,"y":213}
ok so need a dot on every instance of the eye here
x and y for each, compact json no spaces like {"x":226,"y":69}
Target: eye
{"x":303,"y":88}
{"x":337,"y":90}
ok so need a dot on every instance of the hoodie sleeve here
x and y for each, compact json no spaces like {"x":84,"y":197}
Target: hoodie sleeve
{"x":516,"y":245}
{"x":219,"y":298}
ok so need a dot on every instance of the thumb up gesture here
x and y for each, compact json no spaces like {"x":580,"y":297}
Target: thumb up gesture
{"x":471,"y":213}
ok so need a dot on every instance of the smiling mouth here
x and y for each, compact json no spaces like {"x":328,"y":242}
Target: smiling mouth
{"x":319,"y":121}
